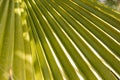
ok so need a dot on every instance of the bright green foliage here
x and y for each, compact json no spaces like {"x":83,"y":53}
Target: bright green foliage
{"x":114,"y":4}
{"x":58,"y":40}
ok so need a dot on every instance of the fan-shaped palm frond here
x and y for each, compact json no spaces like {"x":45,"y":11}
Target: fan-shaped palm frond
{"x":58,"y":40}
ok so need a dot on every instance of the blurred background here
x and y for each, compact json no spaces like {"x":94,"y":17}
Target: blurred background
{"x":115,"y":4}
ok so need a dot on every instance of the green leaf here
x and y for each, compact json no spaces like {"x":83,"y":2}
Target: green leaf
{"x":58,"y":40}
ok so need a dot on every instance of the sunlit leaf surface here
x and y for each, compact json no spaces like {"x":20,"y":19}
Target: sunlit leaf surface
{"x":58,"y":40}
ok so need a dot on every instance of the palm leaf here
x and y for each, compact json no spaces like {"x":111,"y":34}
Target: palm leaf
{"x":58,"y":39}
